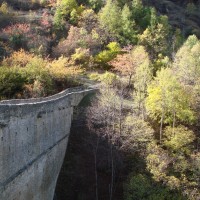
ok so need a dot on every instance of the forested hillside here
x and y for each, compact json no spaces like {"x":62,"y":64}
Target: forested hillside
{"x":143,"y":125}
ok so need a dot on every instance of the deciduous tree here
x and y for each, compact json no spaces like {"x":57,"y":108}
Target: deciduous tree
{"x":167,"y":100}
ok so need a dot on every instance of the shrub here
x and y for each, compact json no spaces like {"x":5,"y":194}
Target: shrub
{"x":78,"y":38}
{"x":74,"y":17}
{"x":58,"y":20}
{"x":33,"y":76}
{"x":11,"y":82}
{"x":106,"y":56}
{"x":17,"y":34}
{"x":18,"y":58}
{"x":4,"y":9}
{"x":45,"y":21}
{"x":3,"y":50}
{"x":88,"y":20}
{"x":81,"y":56}
{"x":60,"y":69}
{"x":191,"y":8}
{"x":63,"y":74}
{"x":178,"y":139}
{"x":38,"y":75}
{"x":109,"y":78}
{"x":95,"y":76}
{"x":143,"y":188}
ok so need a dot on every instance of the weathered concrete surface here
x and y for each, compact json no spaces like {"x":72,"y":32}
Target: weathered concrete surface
{"x":33,"y":139}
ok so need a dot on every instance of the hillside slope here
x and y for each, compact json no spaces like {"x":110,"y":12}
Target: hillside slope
{"x":182,"y":14}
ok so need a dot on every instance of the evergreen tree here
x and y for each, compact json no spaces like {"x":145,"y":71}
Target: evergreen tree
{"x":110,"y":18}
{"x":128,"y":27}
{"x":156,"y":37}
{"x":96,"y":4}
{"x":140,"y":14}
{"x":67,"y":6}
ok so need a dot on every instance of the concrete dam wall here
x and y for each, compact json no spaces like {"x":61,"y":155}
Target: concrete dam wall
{"x":33,"y":139}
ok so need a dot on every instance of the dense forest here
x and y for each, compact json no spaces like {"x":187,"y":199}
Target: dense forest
{"x":141,"y":130}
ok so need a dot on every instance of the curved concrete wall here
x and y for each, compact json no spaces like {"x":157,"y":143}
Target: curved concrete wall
{"x":33,"y":139}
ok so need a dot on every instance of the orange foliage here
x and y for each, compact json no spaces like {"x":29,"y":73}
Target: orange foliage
{"x":127,"y":63}
{"x":124,"y":64}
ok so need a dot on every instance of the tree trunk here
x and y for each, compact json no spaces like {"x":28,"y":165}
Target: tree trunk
{"x":129,"y":82}
{"x":120,"y":117}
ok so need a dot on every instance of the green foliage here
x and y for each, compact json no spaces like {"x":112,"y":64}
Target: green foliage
{"x":33,"y":76}
{"x":61,"y":71}
{"x":191,"y":8}
{"x":196,"y":164}
{"x":171,"y":163}
{"x":160,"y":62}
{"x":166,"y":95}
{"x":140,"y":14}
{"x":119,"y":23}
{"x":109,"y":18}
{"x":142,"y":78}
{"x":191,"y":41}
{"x":11,"y":82}
{"x":74,"y":17}
{"x":81,"y":56}
{"x":137,"y":188}
{"x":2,"y":50}
{"x":96,"y":4}
{"x":177,"y":40}
{"x":107,"y":55}
{"x":156,"y":37}
{"x":108,"y":78}
{"x":178,"y":139}
{"x":169,"y":97}
{"x":88,"y":20}
{"x":58,"y":20}
{"x":142,"y":187}
{"x":187,"y":62}
{"x":153,"y":19}
{"x":67,"y":6}
{"x":35,"y":71}
{"x":157,"y":161}
{"x":94,"y":76}
{"x":65,"y":9}
{"x":128,"y":35}
{"x":16,"y":41}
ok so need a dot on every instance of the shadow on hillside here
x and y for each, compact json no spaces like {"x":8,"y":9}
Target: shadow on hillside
{"x":178,"y":15}
{"x":77,"y":177}
{"x":24,"y":5}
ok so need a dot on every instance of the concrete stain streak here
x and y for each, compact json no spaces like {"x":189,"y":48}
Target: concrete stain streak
{"x":33,"y":140}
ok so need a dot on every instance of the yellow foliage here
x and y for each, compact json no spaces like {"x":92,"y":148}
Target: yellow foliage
{"x":37,"y":76}
{"x":178,"y":138}
{"x":60,"y":68}
{"x":18,"y":58}
{"x":4,"y":9}
{"x":94,"y":76}
{"x":173,"y":182}
{"x":109,"y":78}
